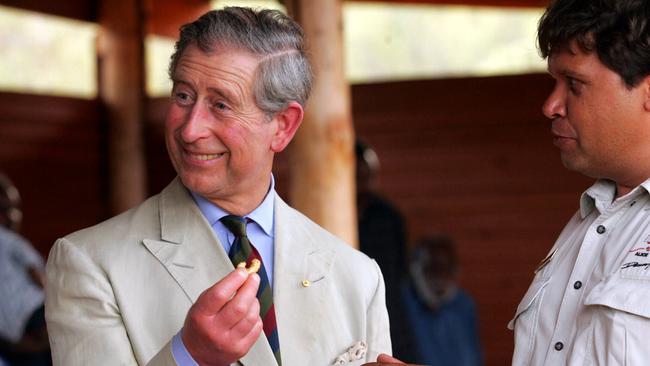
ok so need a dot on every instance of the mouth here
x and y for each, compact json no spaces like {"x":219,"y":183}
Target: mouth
{"x":202,"y":157}
{"x":561,"y":134}
{"x":561,"y":140}
{"x":206,"y":156}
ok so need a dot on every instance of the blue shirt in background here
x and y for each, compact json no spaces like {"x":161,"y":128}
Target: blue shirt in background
{"x":446,"y":337}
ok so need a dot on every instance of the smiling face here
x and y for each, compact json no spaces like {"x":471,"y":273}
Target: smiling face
{"x":599,"y":124}
{"x":220,"y":143}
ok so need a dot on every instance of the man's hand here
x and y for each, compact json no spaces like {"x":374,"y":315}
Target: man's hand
{"x":224,"y":322}
{"x":384,"y":359}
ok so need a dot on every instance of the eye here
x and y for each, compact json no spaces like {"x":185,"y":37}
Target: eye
{"x":574,"y":85}
{"x":182,"y":98}
{"x":220,"y":106}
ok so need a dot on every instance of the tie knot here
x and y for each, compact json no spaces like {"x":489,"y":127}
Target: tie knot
{"x":236,"y":224}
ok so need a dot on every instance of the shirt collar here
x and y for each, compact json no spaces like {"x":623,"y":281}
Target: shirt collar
{"x":602,"y":194}
{"x":262,"y":215}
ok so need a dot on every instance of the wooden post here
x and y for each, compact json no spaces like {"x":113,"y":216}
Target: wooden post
{"x":121,"y":89}
{"x":321,"y":157}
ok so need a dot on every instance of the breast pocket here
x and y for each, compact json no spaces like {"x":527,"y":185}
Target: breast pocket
{"x":620,"y":322}
{"x":524,"y":322}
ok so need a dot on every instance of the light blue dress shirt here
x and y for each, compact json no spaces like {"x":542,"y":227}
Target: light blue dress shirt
{"x":260,"y":231}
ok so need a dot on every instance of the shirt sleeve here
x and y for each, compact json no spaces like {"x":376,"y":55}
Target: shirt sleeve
{"x":25,"y":254}
{"x":180,"y":353}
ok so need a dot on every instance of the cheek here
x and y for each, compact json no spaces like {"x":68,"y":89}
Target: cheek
{"x":175,"y":118}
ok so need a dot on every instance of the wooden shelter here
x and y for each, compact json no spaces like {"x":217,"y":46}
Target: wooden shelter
{"x":474,"y":161}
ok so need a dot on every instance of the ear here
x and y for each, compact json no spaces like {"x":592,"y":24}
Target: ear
{"x":288,"y":121}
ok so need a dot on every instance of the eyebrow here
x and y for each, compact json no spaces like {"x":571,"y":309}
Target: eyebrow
{"x":574,"y":75}
{"x":567,"y":73}
{"x":220,"y":92}
{"x":223,"y":93}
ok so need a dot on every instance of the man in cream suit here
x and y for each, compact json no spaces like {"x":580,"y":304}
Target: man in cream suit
{"x":156,"y":286}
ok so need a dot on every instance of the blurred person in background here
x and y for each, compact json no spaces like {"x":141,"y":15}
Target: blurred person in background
{"x":23,"y":335}
{"x":442,"y":315}
{"x":382,"y":236}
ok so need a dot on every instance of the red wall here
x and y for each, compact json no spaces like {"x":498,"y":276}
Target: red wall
{"x":52,"y":149}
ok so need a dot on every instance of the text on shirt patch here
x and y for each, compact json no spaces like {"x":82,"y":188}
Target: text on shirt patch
{"x":635,"y":264}
{"x":640,"y":252}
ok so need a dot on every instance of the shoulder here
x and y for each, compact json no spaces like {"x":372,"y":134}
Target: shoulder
{"x":318,"y":236}
{"x":379,"y":214}
{"x":463,"y":300}
{"x":346,"y":260}
{"x":111,"y":246}
{"x":9,"y":238}
{"x":17,"y":249}
{"x":138,"y":221}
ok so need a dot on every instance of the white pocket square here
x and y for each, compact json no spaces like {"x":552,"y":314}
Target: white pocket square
{"x":356,"y":352}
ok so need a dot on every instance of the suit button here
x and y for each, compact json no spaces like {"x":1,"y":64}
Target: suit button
{"x":559,"y":346}
{"x":600,"y":229}
{"x":577,"y":285}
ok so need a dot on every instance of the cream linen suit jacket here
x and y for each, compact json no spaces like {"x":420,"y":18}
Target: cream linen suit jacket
{"x":117,"y":293}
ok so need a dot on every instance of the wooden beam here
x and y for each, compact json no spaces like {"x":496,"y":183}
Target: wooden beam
{"x":75,"y":9}
{"x":165,"y":17}
{"x":121,"y":89}
{"x":321,"y":157}
{"x":498,"y":3}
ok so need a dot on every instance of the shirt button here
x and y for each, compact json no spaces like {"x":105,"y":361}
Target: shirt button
{"x":600,"y":229}
{"x":559,"y":346}
{"x":577,"y":285}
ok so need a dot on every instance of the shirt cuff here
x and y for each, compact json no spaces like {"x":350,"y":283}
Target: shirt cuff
{"x":180,"y":353}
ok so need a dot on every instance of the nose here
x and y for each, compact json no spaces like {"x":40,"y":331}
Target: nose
{"x":555,"y":105}
{"x":196,"y":124}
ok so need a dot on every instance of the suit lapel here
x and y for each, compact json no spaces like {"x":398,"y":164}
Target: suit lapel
{"x":193,"y":256}
{"x":299,"y":257}
{"x":187,"y":246}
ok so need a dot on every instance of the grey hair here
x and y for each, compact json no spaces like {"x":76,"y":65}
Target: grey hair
{"x":283,"y":74}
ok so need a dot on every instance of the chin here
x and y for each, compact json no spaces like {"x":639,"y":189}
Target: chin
{"x":197,"y":183}
{"x":581,"y":167}
{"x":571,"y":162}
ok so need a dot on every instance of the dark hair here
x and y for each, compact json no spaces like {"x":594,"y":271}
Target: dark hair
{"x":283,"y":73}
{"x":617,"y":30}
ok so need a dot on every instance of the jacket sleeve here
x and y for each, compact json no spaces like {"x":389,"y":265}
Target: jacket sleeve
{"x":83,"y":318}
{"x":378,"y":331}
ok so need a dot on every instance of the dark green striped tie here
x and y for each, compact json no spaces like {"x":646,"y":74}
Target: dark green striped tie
{"x":243,"y":251}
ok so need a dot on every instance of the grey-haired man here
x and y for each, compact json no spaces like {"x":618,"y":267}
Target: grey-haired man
{"x":156,"y":285}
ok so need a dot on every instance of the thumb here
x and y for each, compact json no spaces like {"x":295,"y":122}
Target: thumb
{"x":384,"y":358}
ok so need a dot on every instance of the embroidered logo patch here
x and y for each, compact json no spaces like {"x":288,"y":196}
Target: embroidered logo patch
{"x":640,"y":251}
{"x":637,"y":258}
